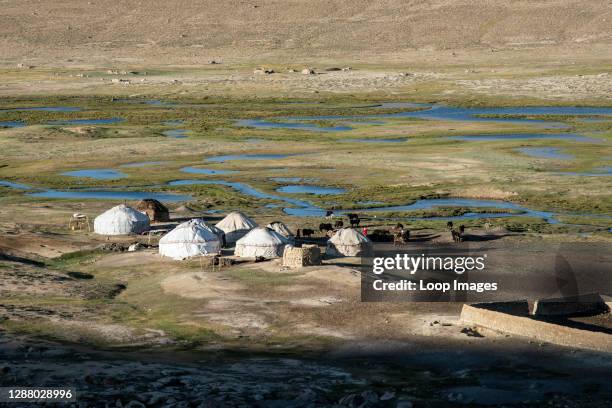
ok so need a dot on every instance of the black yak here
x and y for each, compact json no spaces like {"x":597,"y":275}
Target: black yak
{"x":304,"y":232}
{"x":353,"y":219}
{"x":325,"y":227}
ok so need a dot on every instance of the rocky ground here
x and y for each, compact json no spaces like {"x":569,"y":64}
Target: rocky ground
{"x":364,"y":375}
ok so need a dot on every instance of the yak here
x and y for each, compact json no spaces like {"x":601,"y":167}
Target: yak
{"x":353,"y":219}
{"x":456,"y":235}
{"x":325,"y":227}
{"x":305,"y":232}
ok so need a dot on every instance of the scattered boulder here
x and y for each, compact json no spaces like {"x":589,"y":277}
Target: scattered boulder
{"x":308,"y":71}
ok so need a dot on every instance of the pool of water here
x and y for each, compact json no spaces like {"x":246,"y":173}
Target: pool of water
{"x":176,"y":133}
{"x":307,"y":189}
{"x":17,"y":186}
{"x":232,"y":157}
{"x":597,"y":172}
{"x":12,"y":124}
{"x":263,"y":124}
{"x":95,"y":194}
{"x":302,"y":208}
{"x":434,"y":112}
{"x":98,"y":174}
{"x":440,"y":202}
{"x":442,"y":112}
{"x":108,"y":121}
{"x":545,"y":153}
{"x":523,"y":136}
{"x":143,"y":164}
{"x":242,"y":188}
{"x":197,"y":170}
{"x":109,"y":195}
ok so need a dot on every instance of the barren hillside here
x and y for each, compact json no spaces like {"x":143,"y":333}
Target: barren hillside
{"x":175,"y":31}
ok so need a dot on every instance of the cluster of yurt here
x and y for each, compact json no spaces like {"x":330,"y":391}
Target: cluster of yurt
{"x":197,"y":238}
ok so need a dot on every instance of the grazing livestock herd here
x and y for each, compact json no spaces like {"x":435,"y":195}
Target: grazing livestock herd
{"x":399,"y":234}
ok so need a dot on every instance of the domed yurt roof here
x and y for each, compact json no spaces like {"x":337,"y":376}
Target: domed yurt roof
{"x":348,"y":242}
{"x":218,"y":231}
{"x":281,"y":228}
{"x":154,"y":209}
{"x":235,"y":225}
{"x":191,"y":238}
{"x":261,"y":242}
{"x":121,"y":220}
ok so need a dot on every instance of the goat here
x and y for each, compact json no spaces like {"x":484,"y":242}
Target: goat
{"x":449,"y":225}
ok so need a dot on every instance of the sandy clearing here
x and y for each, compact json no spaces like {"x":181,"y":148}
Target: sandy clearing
{"x":200,"y":285}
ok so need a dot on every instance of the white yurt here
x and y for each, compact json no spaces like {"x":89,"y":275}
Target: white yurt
{"x":218,"y":231}
{"x":121,"y":220}
{"x":281,"y":228}
{"x":235,"y":226}
{"x":349,"y":242}
{"x":261,"y":242}
{"x":191,"y":238}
